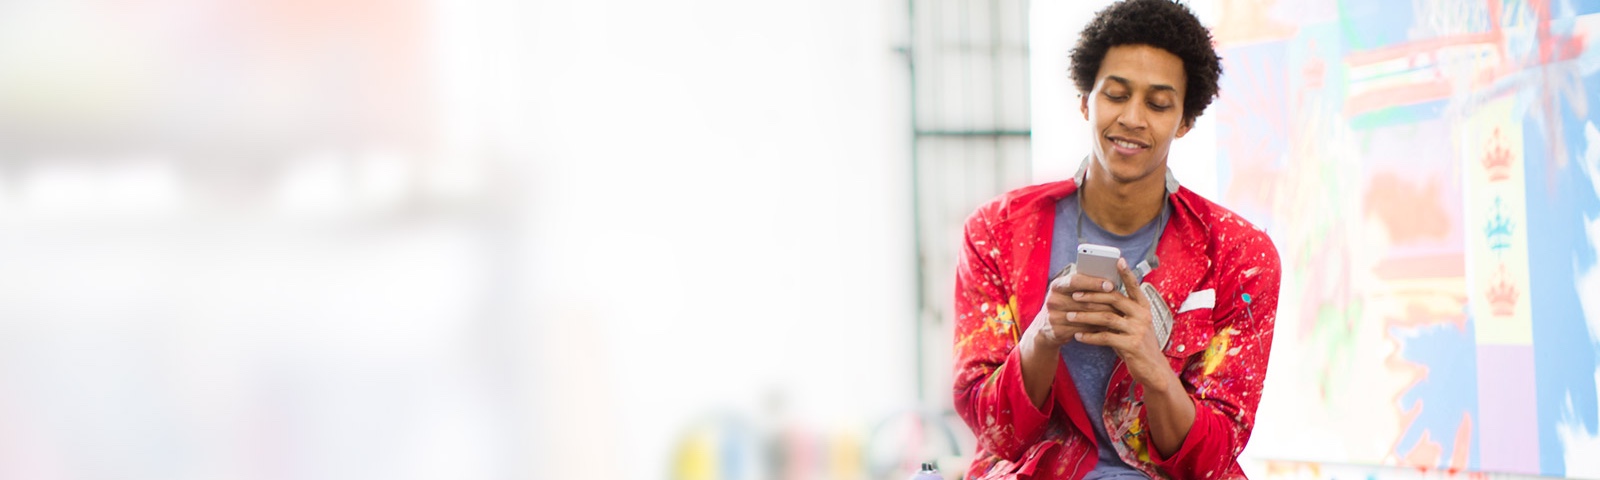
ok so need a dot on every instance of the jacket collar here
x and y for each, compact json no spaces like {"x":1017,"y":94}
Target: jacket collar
{"x":1184,"y":252}
{"x":1183,"y":241}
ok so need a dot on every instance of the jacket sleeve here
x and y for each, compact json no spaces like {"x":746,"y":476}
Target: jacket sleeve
{"x":1225,"y":381}
{"x":989,"y":392}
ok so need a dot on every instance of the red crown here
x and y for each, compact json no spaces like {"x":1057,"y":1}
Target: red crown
{"x":1498,"y":160}
{"x":1502,"y":295}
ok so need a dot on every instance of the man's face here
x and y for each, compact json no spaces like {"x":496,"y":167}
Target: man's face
{"x":1135,"y":110}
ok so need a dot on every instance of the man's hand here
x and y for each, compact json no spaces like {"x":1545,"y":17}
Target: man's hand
{"x":1128,"y":330}
{"x":1123,"y":323}
{"x":1052,"y":328}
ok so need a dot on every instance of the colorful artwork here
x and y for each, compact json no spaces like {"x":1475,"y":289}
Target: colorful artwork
{"x":1430,"y":171}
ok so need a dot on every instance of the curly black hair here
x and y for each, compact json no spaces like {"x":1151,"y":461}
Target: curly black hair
{"x":1163,"y":24}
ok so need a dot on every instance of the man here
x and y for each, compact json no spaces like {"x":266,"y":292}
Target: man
{"x":1161,"y":378}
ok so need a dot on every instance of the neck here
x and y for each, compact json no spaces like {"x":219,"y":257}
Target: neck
{"x":1122,"y":208}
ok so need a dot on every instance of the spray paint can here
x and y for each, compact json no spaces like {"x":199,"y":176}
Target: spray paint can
{"x":929,"y":472}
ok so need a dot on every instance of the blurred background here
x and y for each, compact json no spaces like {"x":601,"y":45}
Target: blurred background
{"x":715,"y":239}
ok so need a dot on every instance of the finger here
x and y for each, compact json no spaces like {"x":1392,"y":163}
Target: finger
{"x":1116,"y":301}
{"x":1101,"y":338}
{"x":1099,"y":320}
{"x":1077,"y":282}
{"x":1064,"y":303}
{"x":1065,"y":332}
{"x":1068,"y":322}
{"x":1059,"y":319}
{"x":1128,"y":279}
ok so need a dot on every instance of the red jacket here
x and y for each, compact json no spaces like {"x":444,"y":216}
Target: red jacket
{"x":1219,"y":348}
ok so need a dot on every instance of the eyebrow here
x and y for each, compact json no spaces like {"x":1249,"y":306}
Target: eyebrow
{"x":1128,"y":84}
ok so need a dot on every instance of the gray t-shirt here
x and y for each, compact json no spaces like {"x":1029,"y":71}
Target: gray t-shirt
{"x":1091,"y":365}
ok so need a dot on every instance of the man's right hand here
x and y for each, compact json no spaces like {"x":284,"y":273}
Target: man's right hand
{"x":1051,"y":329}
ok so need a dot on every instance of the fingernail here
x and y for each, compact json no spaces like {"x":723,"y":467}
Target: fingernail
{"x":1122,"y":263}
{"x":1072,"y":316}
{"x":1077,"y":295}
{"x":1106,"y":286}
{"x":1078,"y":336}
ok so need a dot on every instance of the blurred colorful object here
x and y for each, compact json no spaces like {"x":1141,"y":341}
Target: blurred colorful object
{"x":728,"y":446}
{"x":718,"y":447}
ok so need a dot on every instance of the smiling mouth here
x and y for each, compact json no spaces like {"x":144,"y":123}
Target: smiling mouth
{"x":1128,"y":144}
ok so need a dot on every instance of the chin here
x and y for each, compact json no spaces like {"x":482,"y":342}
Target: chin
{"x":1128,"y":170}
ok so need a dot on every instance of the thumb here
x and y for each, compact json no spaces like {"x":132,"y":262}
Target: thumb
{"x":1129,"y":283}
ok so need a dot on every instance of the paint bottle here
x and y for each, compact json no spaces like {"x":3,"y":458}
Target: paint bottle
{"x":928,"y":473}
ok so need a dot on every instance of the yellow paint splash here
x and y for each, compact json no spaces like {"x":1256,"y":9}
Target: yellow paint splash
{"x":1217,"y":353}
{"x":1005,"y":318}
{"x":1135,"y":440}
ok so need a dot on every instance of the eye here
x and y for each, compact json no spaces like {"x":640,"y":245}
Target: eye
{"x":1159,"y":107}
{"x":1117,"y":97}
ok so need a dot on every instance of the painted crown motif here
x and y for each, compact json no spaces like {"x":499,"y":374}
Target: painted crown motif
{"x":1502,"y":295}
{"x":1497,"y":160}
{"x":1499,"y":229}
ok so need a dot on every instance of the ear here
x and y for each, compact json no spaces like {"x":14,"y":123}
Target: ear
{"x":1184,"y":126}
{"x":1083,"y":104}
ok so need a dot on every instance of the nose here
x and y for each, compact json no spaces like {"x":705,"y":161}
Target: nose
{"x":1133,"y":116}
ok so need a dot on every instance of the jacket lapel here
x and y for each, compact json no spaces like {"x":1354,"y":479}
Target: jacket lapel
{"x":1033,"y":238}
{"x":1184,"y":263}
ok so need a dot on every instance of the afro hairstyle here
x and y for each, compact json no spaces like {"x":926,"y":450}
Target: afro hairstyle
{"x":1164,"y":24}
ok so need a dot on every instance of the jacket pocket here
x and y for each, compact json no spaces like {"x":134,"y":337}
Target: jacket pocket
{"x":1191,"y":333}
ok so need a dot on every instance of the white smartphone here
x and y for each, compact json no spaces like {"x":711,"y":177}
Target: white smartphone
{"x":1100,"y":261}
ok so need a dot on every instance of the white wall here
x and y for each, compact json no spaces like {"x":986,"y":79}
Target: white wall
{"x":444,"y":239}
{"x":722,"y":215}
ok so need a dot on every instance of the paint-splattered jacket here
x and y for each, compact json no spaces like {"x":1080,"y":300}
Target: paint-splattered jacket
{"x":1219,"y":349}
